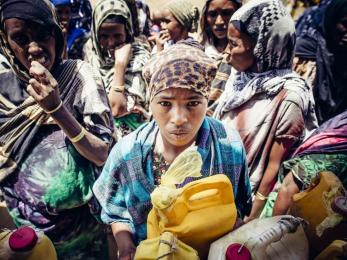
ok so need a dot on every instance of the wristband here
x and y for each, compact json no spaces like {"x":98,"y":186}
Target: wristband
{"x":260,"y":196}
{"x":78,"y":137}
{"x":55,"y":109}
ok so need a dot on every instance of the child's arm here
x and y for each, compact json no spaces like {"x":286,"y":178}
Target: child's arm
{"x":124,"y":240}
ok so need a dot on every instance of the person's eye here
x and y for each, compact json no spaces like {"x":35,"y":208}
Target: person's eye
{"x":193,"y":103}
{"x":103,"y":36}
{"x":20,"y":39}
{"x":233,"y":43}
{"x":227,"y":13}
{"x":212,"y":14}
{"x":44,"y":35}
{"x":164,"y":103}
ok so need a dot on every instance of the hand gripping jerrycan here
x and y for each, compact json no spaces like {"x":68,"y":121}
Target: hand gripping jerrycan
{"x":324,"y":206}
{"x":276,"y":238}
{"x":26,"y":244}
{"x":198,"y":213}
{"x":204,"y":211}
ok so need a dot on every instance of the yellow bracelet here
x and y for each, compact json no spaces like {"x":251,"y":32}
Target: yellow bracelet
{"x":55,"y":109}
{"x":260,"y":196}
{"x":118,"y":88}
{"x":79,"y":136}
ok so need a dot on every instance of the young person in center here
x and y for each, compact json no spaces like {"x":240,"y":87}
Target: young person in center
{"x":179,"y":81}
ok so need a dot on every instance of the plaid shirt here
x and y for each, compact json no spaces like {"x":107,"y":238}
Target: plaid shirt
{"x":126,"y":182}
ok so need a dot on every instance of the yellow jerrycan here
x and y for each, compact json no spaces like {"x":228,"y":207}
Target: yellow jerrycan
{"x":165,"y":247}
{"x":203,"y":211}
{"x":335,"y":251}
{"x":276,"y":238}
{"x":26,"y":244}
{"x":198,"y":213}
{"x":316,"y":206}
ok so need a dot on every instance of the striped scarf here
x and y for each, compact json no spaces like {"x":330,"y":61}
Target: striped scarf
{"x":19,"y":124}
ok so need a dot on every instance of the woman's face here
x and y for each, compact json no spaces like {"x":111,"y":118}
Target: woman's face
{"x":240,"y":50}
{"x":64,"y":13}
{"x":176,"y":30}
{"x":218,"y":15}
{"x":340,"y":35}
{"x":179,"y":114}
{"x":111,"y":35}
{"x":30,"y":41}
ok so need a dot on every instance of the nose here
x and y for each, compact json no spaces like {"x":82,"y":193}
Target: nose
{"x":111,"y":43}
{"x":219,"y":20}
{"x":179,"y":116}
{"x":34,"y":48}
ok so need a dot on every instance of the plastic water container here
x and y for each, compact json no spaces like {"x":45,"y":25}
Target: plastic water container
{"x":316,"y":205}
{"x":276,"y":238}
{"x":26,"y":244}
{"x":336,"y":250}
{"x":204,"y":211}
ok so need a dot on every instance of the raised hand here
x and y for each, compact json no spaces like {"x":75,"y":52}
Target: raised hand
{"x":43,"y":87}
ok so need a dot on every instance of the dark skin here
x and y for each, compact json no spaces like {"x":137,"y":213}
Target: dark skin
{"x":240,"y":50}
{"x":217,"y":18}
{"x":34,"y":47}
{"x":289,"y":188}
{"x":64,"y":14}
{"x":240,"y":56}
{"x":171,"y":30}
{"x":112,"y":39}
{"x":179,"y":114}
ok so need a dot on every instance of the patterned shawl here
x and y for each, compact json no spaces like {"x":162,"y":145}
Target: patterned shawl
{"x":330,"y":137}
{"x":268,"y":23}
{"x":134,"y":83}
{"x":20,"y":121}
{"x":123,"y":188}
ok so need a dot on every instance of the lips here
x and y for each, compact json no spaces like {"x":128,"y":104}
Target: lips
{"x":179,"y":132}
{"x":220,"y":31}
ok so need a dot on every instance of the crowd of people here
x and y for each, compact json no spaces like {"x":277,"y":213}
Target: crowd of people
{"x":98,"y":98}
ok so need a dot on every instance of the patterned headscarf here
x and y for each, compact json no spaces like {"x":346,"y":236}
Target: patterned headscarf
{"x":269,"y":24}
{"x":272,"y":28}
{"x":39,"y":11}
{"x":101,"y":12}
{"x":180,"y":66}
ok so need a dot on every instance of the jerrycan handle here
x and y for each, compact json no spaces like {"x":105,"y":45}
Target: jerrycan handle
{"x":287,"y":224}
{"x":208,"y":194}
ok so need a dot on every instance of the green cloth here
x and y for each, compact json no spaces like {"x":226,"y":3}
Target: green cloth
{"x":307,"y":167}
{"x":185,"y":13}
{"x":133,"y":121}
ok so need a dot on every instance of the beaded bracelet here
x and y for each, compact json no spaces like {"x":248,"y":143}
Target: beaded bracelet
{"x":260,"y":196}
{"x":55,"y":109}
{"x":79,"y":136}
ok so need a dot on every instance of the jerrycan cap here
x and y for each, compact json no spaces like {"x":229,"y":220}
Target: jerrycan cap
{"x":23,"y":239}
{"x":339,"y":205}
{"x":237,"y":252}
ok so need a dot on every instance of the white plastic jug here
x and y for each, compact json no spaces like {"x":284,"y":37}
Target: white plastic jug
{"x":276,"y":238}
